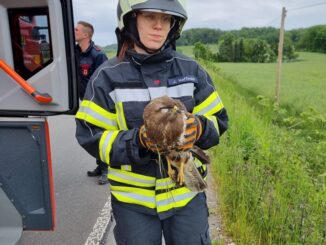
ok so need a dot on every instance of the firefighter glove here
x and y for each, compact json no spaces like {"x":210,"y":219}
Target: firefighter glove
{"x":192,"y":133}
{"x":146,"y":142}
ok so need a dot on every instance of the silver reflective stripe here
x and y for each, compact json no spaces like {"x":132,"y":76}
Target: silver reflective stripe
{"x":186,"y":89}
{"x":214,"y":104}
{"x":131,"y":95}
{"x":175,"y":198}
{"x":136,"y":196}
{"x":98,"y":116}
{"x":131,"y":178}
{"x":164,"y":183}
{"x":126,"y":95}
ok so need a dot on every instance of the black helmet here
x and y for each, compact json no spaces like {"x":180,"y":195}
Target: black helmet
{"x":127,"y":25}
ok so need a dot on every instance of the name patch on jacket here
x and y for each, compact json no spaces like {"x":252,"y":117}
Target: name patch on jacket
{"x":182,"y":79}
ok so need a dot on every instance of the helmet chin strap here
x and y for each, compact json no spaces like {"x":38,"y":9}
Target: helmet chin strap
{"x":148,"y":50}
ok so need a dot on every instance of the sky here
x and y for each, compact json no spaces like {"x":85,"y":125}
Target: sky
{"x":217,"y":14}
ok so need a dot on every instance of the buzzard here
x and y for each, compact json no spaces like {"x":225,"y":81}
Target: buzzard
{"x":166,"y":126}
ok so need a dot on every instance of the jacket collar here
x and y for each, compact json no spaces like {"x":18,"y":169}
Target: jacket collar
{"x":91,"y":44}
{"x":140,"y":59}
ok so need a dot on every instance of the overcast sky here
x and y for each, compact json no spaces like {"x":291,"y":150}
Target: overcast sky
{"x":218,"y":14}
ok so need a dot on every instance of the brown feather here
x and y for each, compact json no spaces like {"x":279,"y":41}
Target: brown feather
{"x":164,"y":120}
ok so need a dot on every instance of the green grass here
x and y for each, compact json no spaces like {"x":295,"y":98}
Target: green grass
{"x":266,"y":189}
{"x":303,"y":83}
{"x":186,"y":50}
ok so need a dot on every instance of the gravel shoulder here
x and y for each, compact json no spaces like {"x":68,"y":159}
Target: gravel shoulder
{"x":216,"y":227}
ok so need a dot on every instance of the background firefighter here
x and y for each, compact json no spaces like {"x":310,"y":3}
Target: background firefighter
{"x":89,"y":58}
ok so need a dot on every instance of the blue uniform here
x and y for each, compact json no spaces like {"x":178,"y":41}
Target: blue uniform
{"x":88,"y":62}
{"x":145,"y":201}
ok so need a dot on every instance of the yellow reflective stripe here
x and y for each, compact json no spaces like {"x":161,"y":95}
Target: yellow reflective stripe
{"x":214,"y":120}
{"x":174,"y":199}
{"x":197,"y":163}
{"x":106,"y":143}
{"x":130,"y":178}
{"x":121,"y":116}
{"x":209,"y":106}
{"x":166,"y":183}
{"x":126,"y":167}
{"x":96,"y":115}
{"x":134,"y":195}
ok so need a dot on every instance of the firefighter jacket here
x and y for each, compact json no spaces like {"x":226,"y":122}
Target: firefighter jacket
{"x":88,"y":62}
{"x":111,"y":114}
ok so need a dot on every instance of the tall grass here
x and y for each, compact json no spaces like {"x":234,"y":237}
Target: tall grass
{"x":267,"y":193}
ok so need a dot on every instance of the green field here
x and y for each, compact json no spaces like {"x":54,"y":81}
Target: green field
{"x":303,"y":82}
{"x":270,"y":166}
{"x":271,"y":178}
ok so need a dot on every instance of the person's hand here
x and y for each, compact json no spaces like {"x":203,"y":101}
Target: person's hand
{"x":192,"y":134}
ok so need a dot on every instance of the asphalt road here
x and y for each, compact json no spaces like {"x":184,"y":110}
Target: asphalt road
{"x":82,"y":206}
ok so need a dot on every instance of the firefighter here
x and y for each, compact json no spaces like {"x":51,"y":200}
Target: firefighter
{"x":145,"y":201}
{"x":89,"y":58}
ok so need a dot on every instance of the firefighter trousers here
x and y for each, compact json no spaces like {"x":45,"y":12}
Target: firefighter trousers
{"x":187,"y":226}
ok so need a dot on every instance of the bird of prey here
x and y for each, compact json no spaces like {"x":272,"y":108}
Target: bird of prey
{"x":165,"y":123}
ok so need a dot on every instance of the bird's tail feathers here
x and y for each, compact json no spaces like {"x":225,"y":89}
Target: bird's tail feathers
{"x":193,"y":179}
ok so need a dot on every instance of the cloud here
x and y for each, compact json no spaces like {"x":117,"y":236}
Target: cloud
{"x":224,"y":15}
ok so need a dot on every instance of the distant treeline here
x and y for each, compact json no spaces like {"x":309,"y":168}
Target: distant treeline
{"x":258,"y":44}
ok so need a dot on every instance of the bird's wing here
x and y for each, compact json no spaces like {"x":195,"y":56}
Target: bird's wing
{"x":193,"y":179}
{"x":200,"y":154}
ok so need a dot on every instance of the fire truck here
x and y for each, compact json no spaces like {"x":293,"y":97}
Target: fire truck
{"x":37,"y":80}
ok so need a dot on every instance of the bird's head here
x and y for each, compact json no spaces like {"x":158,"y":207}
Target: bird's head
{"x":164,"y":120}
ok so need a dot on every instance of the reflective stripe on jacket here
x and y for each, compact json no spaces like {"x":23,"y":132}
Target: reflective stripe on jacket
{"x":111,"y":113}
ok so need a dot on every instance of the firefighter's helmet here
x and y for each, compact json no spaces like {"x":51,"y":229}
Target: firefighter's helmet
{"x":172,"y":7}
{"x":127,"y":24}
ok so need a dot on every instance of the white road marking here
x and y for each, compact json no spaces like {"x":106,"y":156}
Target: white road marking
{"x":101,"y":224}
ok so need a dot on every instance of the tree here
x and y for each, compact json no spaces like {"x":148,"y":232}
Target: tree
{"x":262,"y":53}
{"x":226,"y":50}
{"x":238,"y":50}
{"x":202,"y":51}
{"x":203,"y":35}
{"x":288,"y":49}
{"x":314,"y":39}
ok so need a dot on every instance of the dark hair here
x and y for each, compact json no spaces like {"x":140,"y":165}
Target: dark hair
{"x":124,"y":47}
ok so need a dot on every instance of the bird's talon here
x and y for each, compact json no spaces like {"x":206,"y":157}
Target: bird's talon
{"x":171,"y":173}
{"x":181,"y":178}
